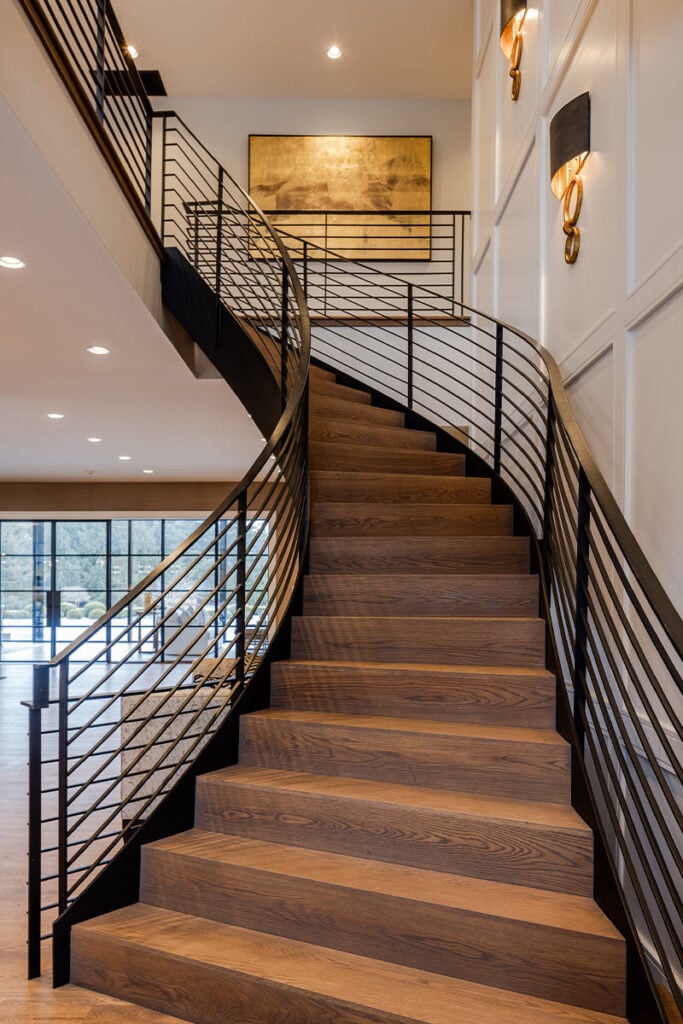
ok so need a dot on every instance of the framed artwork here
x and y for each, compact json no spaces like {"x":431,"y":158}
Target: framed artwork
{"x":361,"y":196}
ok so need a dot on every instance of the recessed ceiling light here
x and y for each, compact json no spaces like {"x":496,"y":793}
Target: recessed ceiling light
{"x":98,"y":350}
{"x":94,"y":440}
{"x":11,"y":263}
{"x":133,"y":51}
{"x":334,"y":53}
{"x":148,"y":471}
{"x":55,"y":415}
{"x":125,"y":458}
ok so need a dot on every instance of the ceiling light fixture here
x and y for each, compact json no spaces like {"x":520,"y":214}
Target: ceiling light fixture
{"x":125,"y":458}
{"x":334,"y":53}
{"x":98,"y":350}
{"x":148,"y":471}
{"x":132,"y":51}
{"x":11,"y":263}
{"x":94,"y":440}
{"x":55,"y":415}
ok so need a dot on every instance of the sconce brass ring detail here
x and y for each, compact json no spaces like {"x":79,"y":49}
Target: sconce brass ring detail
{"x":573,"y":196}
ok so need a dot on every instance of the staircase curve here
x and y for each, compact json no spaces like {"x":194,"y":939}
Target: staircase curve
{"x":436,"y":748}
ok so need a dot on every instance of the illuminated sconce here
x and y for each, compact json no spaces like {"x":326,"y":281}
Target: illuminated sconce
{"x":570,"y":143}
{"x":512,"y":15}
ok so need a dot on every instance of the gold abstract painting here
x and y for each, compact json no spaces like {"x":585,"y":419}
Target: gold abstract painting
{"x":356,"y":195}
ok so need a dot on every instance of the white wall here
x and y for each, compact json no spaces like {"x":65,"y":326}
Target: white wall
{"x":613,"y":320}
{"x":224,"y":125}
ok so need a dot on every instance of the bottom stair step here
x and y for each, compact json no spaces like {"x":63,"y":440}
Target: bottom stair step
{"x":208,"y":973}
{"x":544,"y":944}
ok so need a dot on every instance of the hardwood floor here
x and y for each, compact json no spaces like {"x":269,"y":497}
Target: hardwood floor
{"x":22,"y":1001}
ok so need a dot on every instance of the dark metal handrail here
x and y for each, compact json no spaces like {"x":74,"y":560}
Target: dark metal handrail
{"x":125,"y":710}
{"x":617,"y":638}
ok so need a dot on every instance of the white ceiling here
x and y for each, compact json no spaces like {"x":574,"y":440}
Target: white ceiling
{"x":418,"y":49}
{"x":141,"y":400}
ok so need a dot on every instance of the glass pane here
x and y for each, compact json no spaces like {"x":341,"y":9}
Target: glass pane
{"x":146,"y":537}
{"x":17,"y":538}
{"x":119,"y":572}
{"x":178,"y":530}
{"x":20,"y":572}
{"x":119,"y":536}
{"x":81,"y":538}
{"x":78,"y":577}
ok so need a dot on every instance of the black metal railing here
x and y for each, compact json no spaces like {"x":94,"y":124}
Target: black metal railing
{"x":86,"y":43}
{"x":120,"y":715}
{"x":618,"y":639}
{"x":428,"y":249}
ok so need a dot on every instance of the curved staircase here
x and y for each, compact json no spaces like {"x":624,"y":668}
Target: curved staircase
{"x":397,"y":842}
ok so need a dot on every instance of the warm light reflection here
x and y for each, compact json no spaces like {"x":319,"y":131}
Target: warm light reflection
{"x":511,"y":31}
{"x":563,"y":177}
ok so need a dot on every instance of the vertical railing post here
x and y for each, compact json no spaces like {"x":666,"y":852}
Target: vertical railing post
{"x":164,"y":151}
{"x":498,"y":403}
{"x":62,"y":785}
{"x":462,"y":264}
{"x":196,"y":236}
{"x":453,"y":239}
{"x":409,"y":397}
{"x":326,"y":258}
{"x":149,"y":128}
{"x":100,"y":32}
{"x":40,"y":700}
{"x":284,"y":335}
{"x":581,"y":605}
{"x":305,"y":269}
{"x":548,"y":478}
{"x":219,"y":255}
{"x":241,"y":616}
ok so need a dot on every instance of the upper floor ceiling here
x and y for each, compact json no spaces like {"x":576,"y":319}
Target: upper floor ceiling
{"x":418,"y":49}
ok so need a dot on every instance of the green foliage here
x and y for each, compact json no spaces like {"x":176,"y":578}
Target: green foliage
{"x":73,"y":613}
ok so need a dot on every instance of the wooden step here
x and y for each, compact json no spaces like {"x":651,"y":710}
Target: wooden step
{"x":493,"y":695}
{"x":353,"y":458}
{"x":524,"y":764}
{"x":348,"y":432}
{"x":324,"y":389}
{"x":346,"y":519}
{"x":440,"y":641}
{"x":399,"y":487}
{"x":211,"y":972}
{"x":548,"y":945}
{"x":325,"y":407}
{"x":415,"y":594}
{"x":545,"y":846}
{"x":318,"y":372}
{"x":419,"y":555}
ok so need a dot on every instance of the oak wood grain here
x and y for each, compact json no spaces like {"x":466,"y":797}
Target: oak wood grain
{"x":419,"y":555}
{"x":326,"y":406}
{"x":399,"y":487}
{"x":473,"y":693}
{"x":345,"y":431}
{"x":362,"y":519}
{"x":322,"y":388}
{"x":523,"y":764}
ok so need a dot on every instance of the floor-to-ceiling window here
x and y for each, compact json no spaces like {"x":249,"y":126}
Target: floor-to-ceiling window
{"x":58,"y":577}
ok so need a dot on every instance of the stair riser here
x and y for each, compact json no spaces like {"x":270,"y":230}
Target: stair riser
{"x":421,"y":595}
{"x":323,"y":389}
{"x":428,"y":641}
{"x":517,"y":852}
{"x":523,"y":702}
{"x":419,"y":555}
{"x":388,"y":487}
{"x":202,"y":993}
{"x":353,"y":458}
{"x":549,"y":963}
{"x":343,"y":432}
{"x":344,"y":519}
{"x":324,"y":407}
{"x":521,"y":771}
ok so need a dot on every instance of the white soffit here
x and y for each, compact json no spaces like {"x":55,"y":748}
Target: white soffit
{"x":141,"y":399}
{"x":417,"y":49}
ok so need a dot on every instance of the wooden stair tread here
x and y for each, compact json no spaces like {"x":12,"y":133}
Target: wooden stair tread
{"x":494,"y":670}
{"x":338,"y":485}
{"x":538,"y":906}
{"x":353,"y":457}
{"x":549,"y":737}
{"x":421,"y":555}
{"x":421,"y":594}
{"x":339,"y":429}
{"x":477,"y":805}
{"x":295,"y":969}
{"x":389,"y":519}
{"x":324,"y":406}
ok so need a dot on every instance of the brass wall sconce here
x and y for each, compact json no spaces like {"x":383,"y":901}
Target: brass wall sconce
{"x":512,"y":15}
{"x":570,"y":143}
